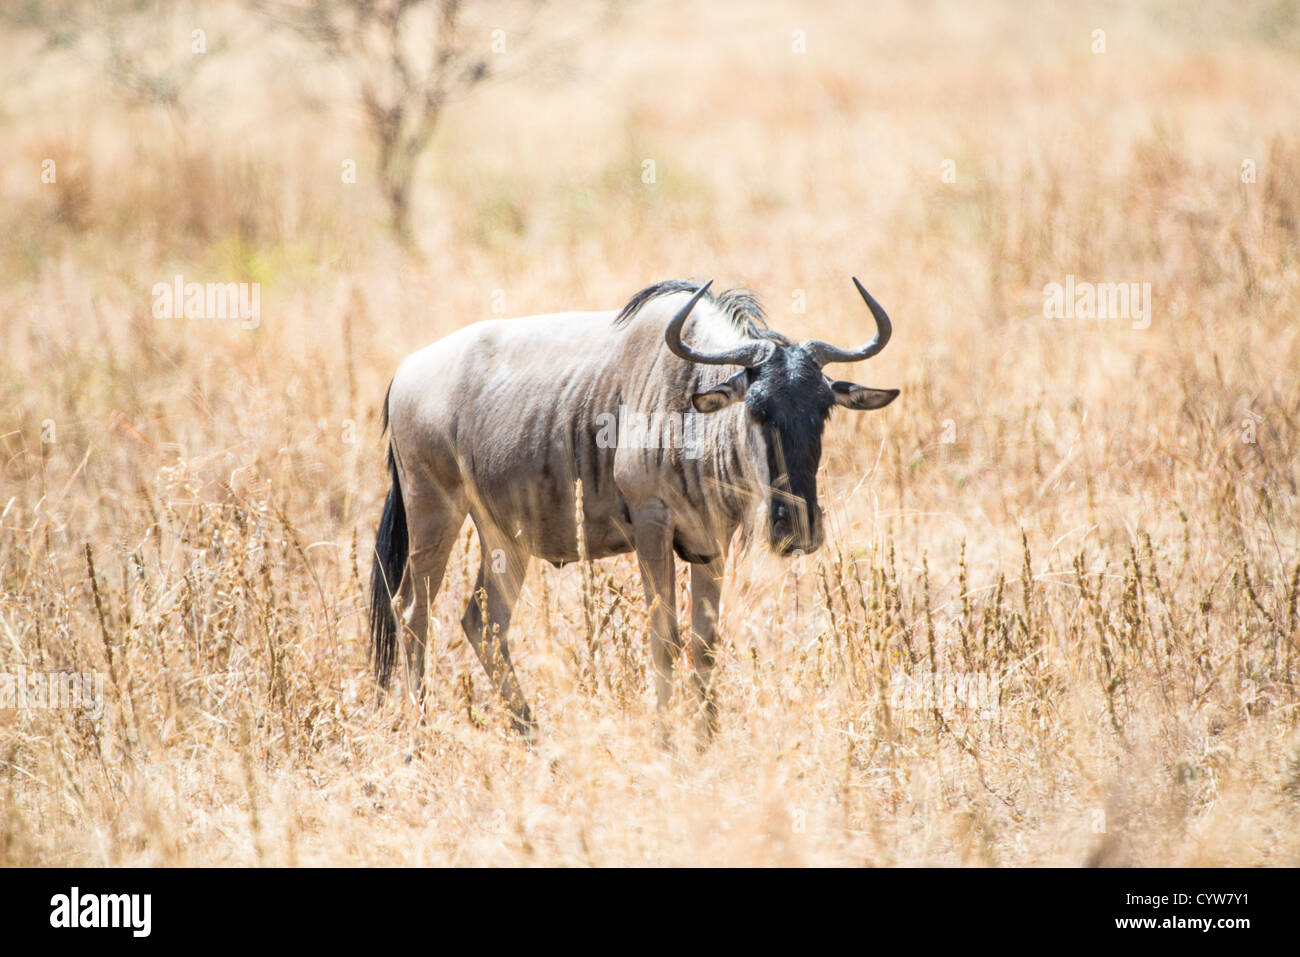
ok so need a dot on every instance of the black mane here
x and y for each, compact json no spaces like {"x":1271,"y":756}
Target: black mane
{"x":739,"y":305}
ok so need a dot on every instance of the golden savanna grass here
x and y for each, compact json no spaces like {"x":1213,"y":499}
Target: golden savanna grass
{"x":1093,"y":526}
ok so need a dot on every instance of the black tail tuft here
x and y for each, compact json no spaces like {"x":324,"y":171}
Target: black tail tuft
{"x":391,"y":548}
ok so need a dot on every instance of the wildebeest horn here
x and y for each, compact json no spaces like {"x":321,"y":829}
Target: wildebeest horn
{"x":824,"y":352}
{"x":745,"y":354}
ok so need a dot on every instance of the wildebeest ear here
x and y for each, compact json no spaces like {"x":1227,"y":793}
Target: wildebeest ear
{"x":853,"y":396}
{"x":733,"y":390}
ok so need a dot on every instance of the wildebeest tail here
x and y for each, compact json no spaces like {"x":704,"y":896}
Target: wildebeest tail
{"x":391,"y":548}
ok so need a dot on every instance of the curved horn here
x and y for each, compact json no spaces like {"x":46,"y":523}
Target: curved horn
{"x":745,"y":354}
{"x":824,"y":352}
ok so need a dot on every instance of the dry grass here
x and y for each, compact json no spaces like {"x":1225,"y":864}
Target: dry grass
{"x":1064,"y":514}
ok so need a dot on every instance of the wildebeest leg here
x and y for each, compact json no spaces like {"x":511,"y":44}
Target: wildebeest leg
{"x":652,"y":535}
{"x":433,"y":530}
{"x":501,"y":570}
{"x":706,"y":587}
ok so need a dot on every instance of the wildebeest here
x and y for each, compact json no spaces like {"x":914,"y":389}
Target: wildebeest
{"x":502,"y":419}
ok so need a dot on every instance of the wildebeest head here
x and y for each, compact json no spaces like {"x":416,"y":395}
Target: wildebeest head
{"x":789,"y":398}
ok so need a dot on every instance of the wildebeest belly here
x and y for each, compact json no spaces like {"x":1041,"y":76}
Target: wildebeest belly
{"x":532,"y":497}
